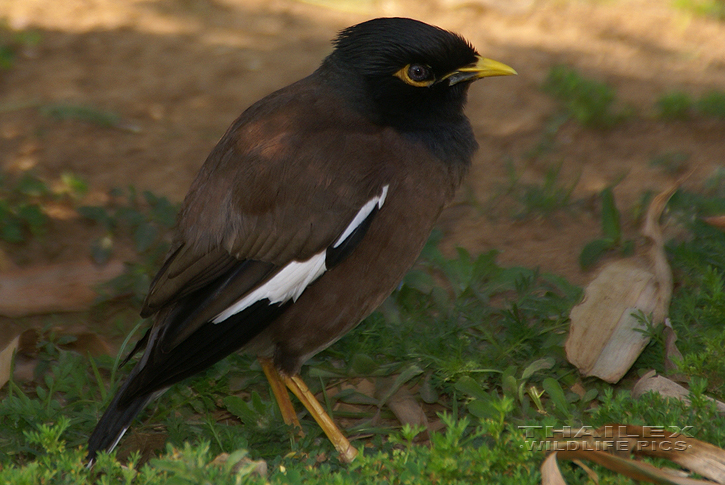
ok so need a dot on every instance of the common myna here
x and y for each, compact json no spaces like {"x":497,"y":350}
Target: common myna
{"x":308,"y":213}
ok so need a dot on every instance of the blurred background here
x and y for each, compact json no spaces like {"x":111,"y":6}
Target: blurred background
{"x":97,"y":94}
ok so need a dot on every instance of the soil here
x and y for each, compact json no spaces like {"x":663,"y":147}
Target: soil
{"x":178,"y":72}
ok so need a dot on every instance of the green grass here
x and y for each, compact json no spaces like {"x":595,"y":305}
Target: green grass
{"x":588,"y":101}
{"x":22,"y":201}
{"x":542,"y":199}
{"x":675,"y":105}
{"x":12,"y":42}
{"x":708,"y":8}
{"x":478,"y":344}
{"x":678,"y":105}
{"x":88,"y":114}
{"x":612,"y":237}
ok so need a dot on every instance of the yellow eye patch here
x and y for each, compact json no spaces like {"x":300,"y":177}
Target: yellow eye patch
{"x":418,"y":75}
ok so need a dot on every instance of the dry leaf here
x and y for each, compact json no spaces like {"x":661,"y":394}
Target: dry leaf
{"x":258,"y":467}
{"x":86,"y":343}
{"x":550,"y":473}
{"x":715,"y":221}
{"x":407,"y":408}
{"x":610,"y":446}
{"x":63,"y":287}
{"x":672,"y":353}
{"x":666,"y":388}
{"x":9,"y":342}
{"x":605,"y":336}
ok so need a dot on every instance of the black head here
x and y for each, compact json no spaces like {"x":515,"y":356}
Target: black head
{"x":405,"y":73}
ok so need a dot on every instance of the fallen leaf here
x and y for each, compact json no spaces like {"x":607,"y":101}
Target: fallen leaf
{"x":87,"y":343}
{"x":407,"y":408}
{"x":672,"y":353}
{"x":239,"y":460}
{"x":606,"y":332}
{"x":611,"y":445}
{"x":62,"y":287}
{"x":666,"y":388}
{"x":715,"y":221}
{"x":9,"y":342}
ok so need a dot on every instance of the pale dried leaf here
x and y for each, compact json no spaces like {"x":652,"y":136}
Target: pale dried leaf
{"x":61,"y":287}
{"x":695,"y":455}
{"x":550,"y":473}
{"x":637,"y":470}
{"x":611,"y":444}
{"x":407,"y":409}
{"x":605,"y":337}
{"x":672,"y":353}
{"x":666,"y":388}
{"x":9,"y":341}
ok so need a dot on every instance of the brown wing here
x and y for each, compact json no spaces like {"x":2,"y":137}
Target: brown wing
{"x":277,"y":188}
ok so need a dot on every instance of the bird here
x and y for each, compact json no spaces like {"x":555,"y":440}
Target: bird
{"x":307,"y":214}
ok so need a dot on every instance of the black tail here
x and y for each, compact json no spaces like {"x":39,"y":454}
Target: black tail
{"x":116,"y":420}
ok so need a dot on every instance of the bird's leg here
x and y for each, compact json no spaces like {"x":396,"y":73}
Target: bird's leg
{"x":277,"y":384}
{"x":299,"y":389}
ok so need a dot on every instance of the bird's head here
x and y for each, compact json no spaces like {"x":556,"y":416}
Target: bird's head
{"x":406,"y":73}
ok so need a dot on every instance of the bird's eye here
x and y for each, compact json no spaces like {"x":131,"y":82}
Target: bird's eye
{"x":418,"y":75}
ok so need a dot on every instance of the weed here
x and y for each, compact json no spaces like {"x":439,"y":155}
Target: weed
{"x":708,"y":8}
{"x":672,"y":163}
{"x":675,"y":105}
{"x":11,"y":42}
{"x":541,"y":199}
{"x":147,"y":218}
{"x":22,"y":202}
{"x":590,"y":102}
{"x":87,"y":114}
{"x":612,"y":234}
{"x":712,"y":103}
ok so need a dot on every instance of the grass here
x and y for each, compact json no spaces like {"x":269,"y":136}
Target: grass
{"x":678,"y":105}
{"x":708,"y":8}
{"x":23,"y":199}
{"x":481,"y":345}
{"x":542,"y":199}
{"x":13,"y":42}
{"x":612,"y":237}
{"x":590,"y":102}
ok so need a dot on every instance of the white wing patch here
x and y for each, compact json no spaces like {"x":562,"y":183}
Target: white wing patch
{"x":362,"y":214}
{"x":292,"y":280}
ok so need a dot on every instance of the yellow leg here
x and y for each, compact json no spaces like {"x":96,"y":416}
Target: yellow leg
{"x":299,"y":389}
{"x":280,"y":393}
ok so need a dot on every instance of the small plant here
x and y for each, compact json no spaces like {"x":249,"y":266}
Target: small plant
{"x":21,"y":211}
{"x":541,"y":199}
{"x":675,"y":105}
{"x":148,"y":219}
{"x":11,"y":42}
{"x":612,"y":234}
{"x":590,"y":102}
{"x":712,"y":103}
{"x":708,"y":8}
{"x":83,"y":113}
{"x":672,"y":163}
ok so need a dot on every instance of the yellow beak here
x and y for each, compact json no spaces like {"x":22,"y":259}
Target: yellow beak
{"x":482,"y":68}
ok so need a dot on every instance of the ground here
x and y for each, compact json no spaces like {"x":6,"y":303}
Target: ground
{"x":179,"y":71}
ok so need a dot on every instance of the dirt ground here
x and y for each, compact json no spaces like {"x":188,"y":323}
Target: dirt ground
{"x":180,"y":71}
